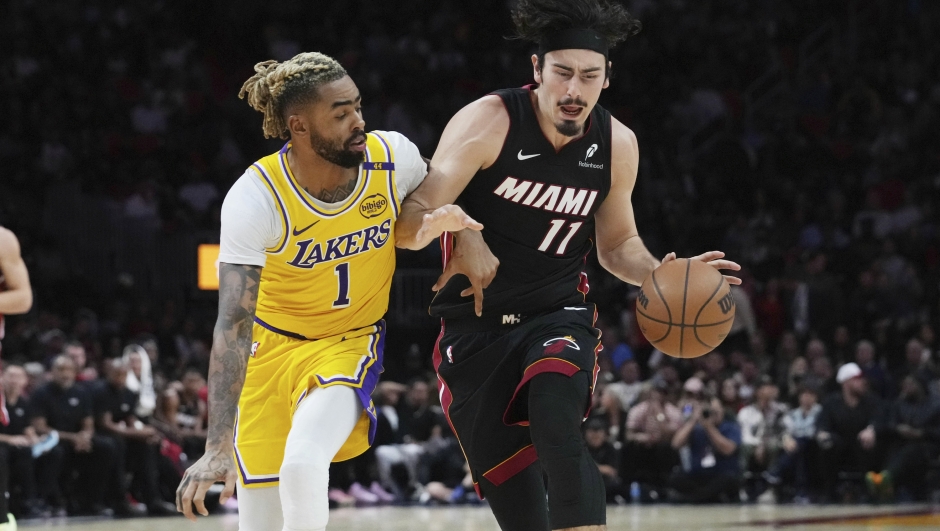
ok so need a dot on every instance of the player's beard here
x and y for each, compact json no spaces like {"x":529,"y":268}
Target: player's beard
{"x":337,"y":153}
{"x":570,"y":127}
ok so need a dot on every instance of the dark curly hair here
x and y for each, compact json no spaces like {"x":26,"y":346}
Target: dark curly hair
{"x":536,"y":18}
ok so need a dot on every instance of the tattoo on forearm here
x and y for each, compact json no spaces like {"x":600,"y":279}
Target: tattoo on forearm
{"x":337,"y":194}
{"x":231,"y":344}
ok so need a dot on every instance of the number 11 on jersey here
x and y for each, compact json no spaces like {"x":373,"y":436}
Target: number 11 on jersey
{"x":342,"y":275}
{"x":557,"y":225}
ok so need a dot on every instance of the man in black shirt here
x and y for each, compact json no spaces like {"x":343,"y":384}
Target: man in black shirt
{"x":16,"y":440}
{"x":138,"y":445}
{"x":62,"y":406}
{"x":850,"y":427}
{"x":913,"y":424}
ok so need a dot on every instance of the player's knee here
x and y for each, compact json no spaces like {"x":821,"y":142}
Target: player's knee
{"x":556,"y":408}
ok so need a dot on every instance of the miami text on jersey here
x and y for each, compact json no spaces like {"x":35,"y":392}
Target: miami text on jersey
{"x":560,"y":199}
{"x":310,"y":254}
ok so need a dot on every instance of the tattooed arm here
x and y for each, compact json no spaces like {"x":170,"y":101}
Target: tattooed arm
{"x":228,"y":363}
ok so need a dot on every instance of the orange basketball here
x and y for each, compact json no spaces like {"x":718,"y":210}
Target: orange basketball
{"x":685,"y":308}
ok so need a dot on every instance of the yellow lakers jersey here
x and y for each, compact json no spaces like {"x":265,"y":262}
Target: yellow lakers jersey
{"x":332,"y":269}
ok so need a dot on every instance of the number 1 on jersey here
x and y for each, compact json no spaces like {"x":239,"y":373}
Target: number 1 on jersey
{"x":557,"y":224}
{"x":342,"y":273}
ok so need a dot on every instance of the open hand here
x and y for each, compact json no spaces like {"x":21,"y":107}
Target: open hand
{"x":714,"y":259}
{"x":448,"y":218}
{"x":215,"y":465}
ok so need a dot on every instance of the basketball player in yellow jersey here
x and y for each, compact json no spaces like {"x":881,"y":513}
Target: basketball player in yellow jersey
{"x":307,"y":257}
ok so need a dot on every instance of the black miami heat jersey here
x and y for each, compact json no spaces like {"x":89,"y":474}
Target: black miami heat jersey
{"x":537,"y":208}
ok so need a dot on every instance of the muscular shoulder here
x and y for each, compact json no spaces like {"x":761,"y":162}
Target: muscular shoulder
{"x":481,"y":126}
{"x":625,"y":150}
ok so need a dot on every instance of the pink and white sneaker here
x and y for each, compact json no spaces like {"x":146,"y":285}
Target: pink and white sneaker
{"x":341,"y":498}
{"x":362,"y":495}
{"x":384,"y":496}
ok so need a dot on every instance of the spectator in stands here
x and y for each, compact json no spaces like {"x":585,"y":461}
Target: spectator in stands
{"x":799,"y":445}
{"x":796,"y":378}
{"x":606,"y":457}
{"x":185,"y":410}
{"x":847,"y":429}
{"x":914,"y":423}
{"x":748,"y":378}
{"x":17,"y":439}
{"x":878,"y":381}
{"x":412,"y":423}
{"x":713,"y":473}
{"x":140,"y":380}
{"x":917,"y":362}
{"x":648,"y":453}
{"x":137,"y":445}
{"x":761,"y":434}
{"x":63,"y":406}
{"x":77,"y":352}
{"x":620,"y":396}
{"x":730,"y":398}
{"x":822,"y":376}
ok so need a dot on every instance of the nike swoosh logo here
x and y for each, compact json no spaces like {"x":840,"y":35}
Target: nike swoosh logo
{"x":575,"y":308}
{"x":305,"y":229}
{"x":523,"y":157}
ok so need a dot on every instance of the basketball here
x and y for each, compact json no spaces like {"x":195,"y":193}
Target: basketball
{"x":685,"y":308}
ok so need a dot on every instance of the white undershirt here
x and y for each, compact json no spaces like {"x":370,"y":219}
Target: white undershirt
{"x":250,"y":220}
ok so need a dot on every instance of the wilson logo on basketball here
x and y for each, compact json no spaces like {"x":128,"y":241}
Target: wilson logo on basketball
{"x":643,"y":300}
{"x":726,"y":303}
{"x":374,"y":205}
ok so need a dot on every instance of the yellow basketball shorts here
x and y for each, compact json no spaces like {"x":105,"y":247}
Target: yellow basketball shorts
{"x":282,"y":371}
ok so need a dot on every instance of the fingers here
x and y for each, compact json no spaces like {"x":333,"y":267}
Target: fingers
{"x":186,"y":499}
{"x":471,"y":223}
{"x":725,"y":264}
{"x":229,"y":489}
{"x":182,"y":501}
{"x":669,"y":257}
{"x":734,"y":281}
{"x":478,"y":299}
{"x":442,"y":280}
{"x":709,"y":256}
{"x":200,"y":497}
{"x":477,"y":291}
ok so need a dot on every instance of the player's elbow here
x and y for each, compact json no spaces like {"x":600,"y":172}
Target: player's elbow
{"x":23,"y":302}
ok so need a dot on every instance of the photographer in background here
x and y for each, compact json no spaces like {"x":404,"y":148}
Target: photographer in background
{"x":713,"y":473}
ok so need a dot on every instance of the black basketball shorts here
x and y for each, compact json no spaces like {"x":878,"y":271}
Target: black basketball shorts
{"x":483,"y":376}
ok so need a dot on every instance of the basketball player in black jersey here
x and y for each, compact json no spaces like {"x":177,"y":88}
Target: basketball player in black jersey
{"x":546,"y":171}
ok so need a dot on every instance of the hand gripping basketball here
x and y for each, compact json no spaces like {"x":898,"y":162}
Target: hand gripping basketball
{"x":685,"y":307}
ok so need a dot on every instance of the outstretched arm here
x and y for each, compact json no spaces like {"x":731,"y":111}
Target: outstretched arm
{"x":18,"y":297}
{"x":619,"y":247}
{"x":472,"y":140}
{"x":228,"y":363}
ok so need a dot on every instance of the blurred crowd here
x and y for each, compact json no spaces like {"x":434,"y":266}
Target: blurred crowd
{"x":124,"y":132}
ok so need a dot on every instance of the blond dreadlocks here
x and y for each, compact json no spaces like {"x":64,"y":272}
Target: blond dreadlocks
{"x":276,"y":87}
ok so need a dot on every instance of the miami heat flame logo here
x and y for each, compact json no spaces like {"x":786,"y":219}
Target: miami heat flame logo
{"x":556,"y":345}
